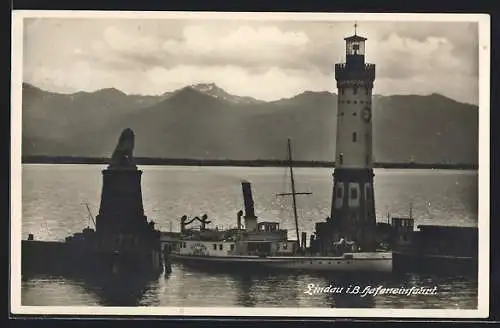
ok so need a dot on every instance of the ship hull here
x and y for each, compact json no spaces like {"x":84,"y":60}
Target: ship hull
{"x":373,"y":262}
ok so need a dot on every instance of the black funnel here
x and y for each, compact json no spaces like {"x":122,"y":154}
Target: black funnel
{"x":248,"y":199}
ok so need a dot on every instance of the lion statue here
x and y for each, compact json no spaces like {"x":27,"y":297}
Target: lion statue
{"x":123,"y":154}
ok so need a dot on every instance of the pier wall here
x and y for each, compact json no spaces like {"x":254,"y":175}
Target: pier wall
{"x":44,"y":256}
{"x":433,"y":249}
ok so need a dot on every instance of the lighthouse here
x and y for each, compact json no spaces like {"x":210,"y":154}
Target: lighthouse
{"x":353,"y":203}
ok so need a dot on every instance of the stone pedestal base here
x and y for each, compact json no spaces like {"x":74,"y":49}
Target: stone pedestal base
{"x":121,"y":209}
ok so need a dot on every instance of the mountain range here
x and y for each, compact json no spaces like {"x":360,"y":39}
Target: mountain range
{"x":203,"y":121}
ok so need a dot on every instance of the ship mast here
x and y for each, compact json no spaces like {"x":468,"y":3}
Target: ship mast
{"x":294,"y":198}
{"x":293,"y":193}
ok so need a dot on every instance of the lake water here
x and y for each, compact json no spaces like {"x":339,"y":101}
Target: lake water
{"x":52,"y":209}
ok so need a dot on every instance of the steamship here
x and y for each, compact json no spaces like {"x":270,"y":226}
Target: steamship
{"x":261,"y":245}
{"x":264,"y":245}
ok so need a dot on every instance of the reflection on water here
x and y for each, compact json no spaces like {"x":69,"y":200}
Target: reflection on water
{"x":52,"y":195}
{"x":119,"y":292}
{"x":191,"y":287}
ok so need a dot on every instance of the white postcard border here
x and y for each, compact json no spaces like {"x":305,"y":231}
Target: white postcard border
{"x":482,"y":311}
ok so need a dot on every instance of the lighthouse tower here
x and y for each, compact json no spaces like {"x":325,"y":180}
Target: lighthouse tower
{"x":353,"y":205}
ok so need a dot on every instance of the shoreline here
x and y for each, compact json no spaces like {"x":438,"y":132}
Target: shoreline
{"x":235,"y":163}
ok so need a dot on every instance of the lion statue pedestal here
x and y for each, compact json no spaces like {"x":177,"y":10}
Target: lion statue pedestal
{"x":121,"y":209}
{"x":122,"y":228}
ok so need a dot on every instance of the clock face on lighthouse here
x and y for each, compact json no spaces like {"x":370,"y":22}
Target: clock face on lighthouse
{"x":367,"y":114}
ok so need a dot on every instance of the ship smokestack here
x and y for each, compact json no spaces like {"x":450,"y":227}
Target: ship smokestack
{"x":303,"y":240}
{"x":250,"y":218}
{"x":239,"y":215}
{"x":248,"y":199}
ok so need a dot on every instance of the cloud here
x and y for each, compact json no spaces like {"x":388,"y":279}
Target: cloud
{"x":264,"y":59}
{"x":252,"y":47}
{"x":280,"y":82}
{"x":80,"y":76}
{"x":399,"y":54}
{"x":401,"y":57}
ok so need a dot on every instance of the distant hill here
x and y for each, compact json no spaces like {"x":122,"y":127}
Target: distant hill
{"x":205,"y":122}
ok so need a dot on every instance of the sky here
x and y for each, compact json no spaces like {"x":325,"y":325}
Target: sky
{"x":264,"y":59}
